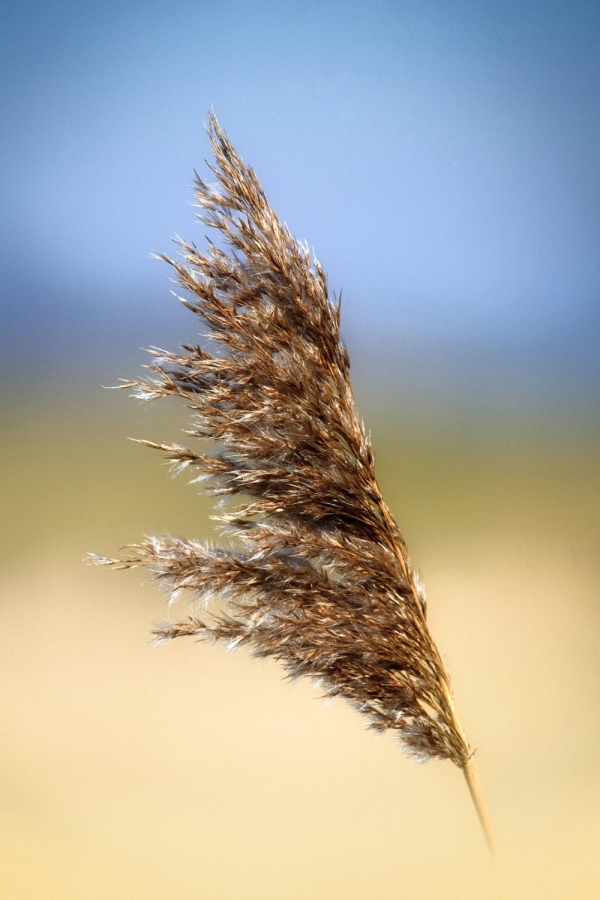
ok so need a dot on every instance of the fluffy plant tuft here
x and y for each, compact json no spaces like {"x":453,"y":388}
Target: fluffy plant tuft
{"x":321,"y":580}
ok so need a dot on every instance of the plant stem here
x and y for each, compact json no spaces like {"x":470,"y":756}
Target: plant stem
{"x":479,"y":802}
{"x":471,"y":776}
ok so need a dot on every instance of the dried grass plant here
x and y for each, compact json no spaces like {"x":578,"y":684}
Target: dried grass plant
{"x":322,"y":581}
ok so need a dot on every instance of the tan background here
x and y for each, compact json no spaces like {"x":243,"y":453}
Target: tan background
{"x":183,"y":771}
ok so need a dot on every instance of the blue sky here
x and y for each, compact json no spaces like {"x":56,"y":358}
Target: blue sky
{"x":441,"y":158}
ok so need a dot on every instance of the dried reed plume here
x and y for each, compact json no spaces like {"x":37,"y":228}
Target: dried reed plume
{"x":322,"y":582}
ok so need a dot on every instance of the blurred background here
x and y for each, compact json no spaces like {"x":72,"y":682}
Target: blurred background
{"x":442,"y":159}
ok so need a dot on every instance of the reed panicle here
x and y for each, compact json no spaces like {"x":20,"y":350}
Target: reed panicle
{"x":322,"y":581}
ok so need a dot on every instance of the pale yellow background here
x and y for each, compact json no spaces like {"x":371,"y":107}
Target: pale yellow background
{"x":184,"y":772}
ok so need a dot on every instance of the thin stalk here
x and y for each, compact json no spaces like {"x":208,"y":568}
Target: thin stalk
{"x":479,"y":802}
{"x":472,"y":779}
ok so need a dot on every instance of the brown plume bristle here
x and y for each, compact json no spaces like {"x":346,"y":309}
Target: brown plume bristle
{"x":322,"y":581}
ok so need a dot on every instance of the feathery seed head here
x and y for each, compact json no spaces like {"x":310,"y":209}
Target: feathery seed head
{"x":322,"y":581}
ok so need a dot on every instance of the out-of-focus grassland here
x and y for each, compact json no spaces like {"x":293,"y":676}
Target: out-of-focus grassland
{"x":182,"y":771}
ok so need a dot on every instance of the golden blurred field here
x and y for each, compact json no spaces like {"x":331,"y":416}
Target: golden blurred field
{"x":183,"y":771}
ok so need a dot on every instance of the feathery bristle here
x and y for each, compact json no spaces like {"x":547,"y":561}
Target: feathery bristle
{"x":322,"y":581}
